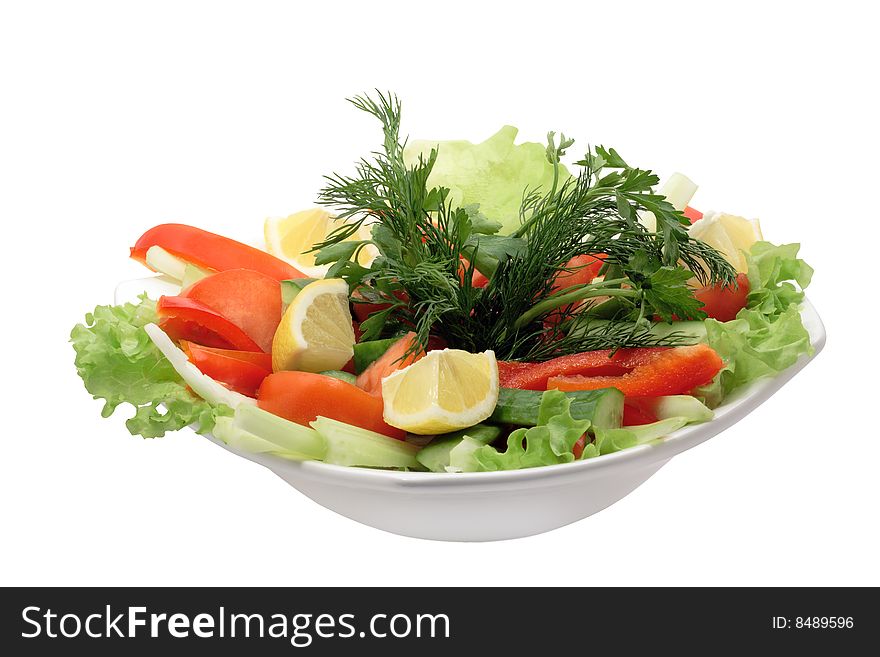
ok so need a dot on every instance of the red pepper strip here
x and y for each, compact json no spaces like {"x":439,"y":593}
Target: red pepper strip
{"x":187,"y":319}
{"x":692,"y":214}
{"x":534,"y":376}
{"x":674,"y":371}
{"x":242,"y":371}
{"x":211,"y":251}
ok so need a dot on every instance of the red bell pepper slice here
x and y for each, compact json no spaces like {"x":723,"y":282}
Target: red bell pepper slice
{"x":534,"y":376}
{"x":674,"y":371}
{"x":692,"y":215}
{"x":242,"y":371}
{"x":302,"y":396}
{"x":211,"y":251}
{"x":247,"y":298}
{"x":187,"y":319}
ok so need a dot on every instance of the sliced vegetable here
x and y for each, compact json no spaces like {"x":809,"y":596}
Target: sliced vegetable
{"x":580,"y":270}
{"x":692,"y":214}
{"x":604,"y":408}
{"x":436,"y":455}
{"x":302,"y":397}
{"x":549,"y":443}
{"x":348,"y":377}
{"x":673,"y":371}
{"x":290,"y":288}
{"x":723,"y":303}
{"x":211,"y":251}
{"x":615,"y":440}
{"x":158,"y":259}
{"x":188,"y":319}
{"x":663,"y":408}
{"x":226,"y":430}
{"x":297,"y":441}
{"x":534,"y":376}
{"x":365,"y":353}
{"x":393,"y":359}
{"x":242,"y":371}
{"x":351,"y":445}
{"x":247,"y":298}
{"x":204,"y":386}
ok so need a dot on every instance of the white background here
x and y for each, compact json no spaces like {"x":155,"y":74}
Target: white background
{"x":119,"y":116}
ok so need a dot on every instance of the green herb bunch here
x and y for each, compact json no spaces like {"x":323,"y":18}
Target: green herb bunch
{"x":429,"y":251}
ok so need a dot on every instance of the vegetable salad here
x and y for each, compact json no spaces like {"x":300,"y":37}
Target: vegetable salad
{"x":454,"y":307}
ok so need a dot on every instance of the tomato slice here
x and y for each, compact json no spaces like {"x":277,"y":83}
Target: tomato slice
{"x":247,"y":298}
{"x":723,"y":303}
{"x":370,"y":380}
{"x":582,"y":270}
{"x":187,"y":319}
{"x":674,"y":371}
{"x":242,"y":371}
{"x":534,"y":376}
{"x":637,"y":411}
{"x":211,"y":251}
{"x":302,"y":396}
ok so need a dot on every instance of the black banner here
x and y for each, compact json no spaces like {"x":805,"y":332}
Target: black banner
{"x":333,"y":621}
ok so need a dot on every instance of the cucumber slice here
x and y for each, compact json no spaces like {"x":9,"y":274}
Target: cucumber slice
{"x":290,"y":288}
{"x":348,"y":377}
{"x":243,"y":441}
{"x":614,"y":440}
{"x":297,"y":441}
{"x":461,"y":457}
{"x":437,"y":456}
{"x":603,"y":408}
{"x":349,"y":445}
{"x":367,"y":352}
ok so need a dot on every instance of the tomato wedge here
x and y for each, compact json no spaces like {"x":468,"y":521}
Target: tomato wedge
{"x":187,"y":319}
{"x":534,"y":376}
{"x":370,"y":380}
{"x":242,"y":371}
{"x":302,"y":396}
{"x":636,"y":411}
{"x":211,"y":251}
{"x":674,"y":371}
{"x":723,"y":303}
{"x":247,"y":298}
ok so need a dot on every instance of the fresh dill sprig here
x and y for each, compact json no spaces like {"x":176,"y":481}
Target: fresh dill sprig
{"x":422,"y":239}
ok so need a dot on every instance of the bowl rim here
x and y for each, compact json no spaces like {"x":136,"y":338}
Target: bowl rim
{"x":740,"y":404}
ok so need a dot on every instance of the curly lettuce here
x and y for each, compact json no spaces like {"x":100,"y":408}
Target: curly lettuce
{"x":767,"y":335}
{"x":548,"y":443}
{"x":493,"y":174}
{"x":119,"y":363}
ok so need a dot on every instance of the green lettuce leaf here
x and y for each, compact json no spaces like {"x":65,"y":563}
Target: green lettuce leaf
{"x":548,"y":443}
{"x":771,"y":272}
{"x":118,"y":363}
{"x":767,"y":335}
{"x":493,"y":174}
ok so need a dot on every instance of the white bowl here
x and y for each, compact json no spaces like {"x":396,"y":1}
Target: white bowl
{"x":492,"y":506}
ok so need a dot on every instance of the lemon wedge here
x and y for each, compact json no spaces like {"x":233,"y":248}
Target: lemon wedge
{"x":291,"y":238}
{"x":444,"y":391}
{"x":728,"y":234}
{"x":315,"y":333}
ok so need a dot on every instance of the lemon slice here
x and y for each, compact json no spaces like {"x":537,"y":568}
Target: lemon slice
{"x":728,"y":234}
{"x":315,"y":333}
{"x":290,"y":239}
{"x":444,"y":391}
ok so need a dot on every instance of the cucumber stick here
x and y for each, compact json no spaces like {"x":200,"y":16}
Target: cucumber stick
{"x":342,"y":376}
{"x":348,"y":445}
{"x":437,"y":455}
{"x":293,"y":438}
{"x":603,"y":408}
